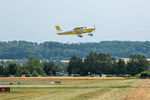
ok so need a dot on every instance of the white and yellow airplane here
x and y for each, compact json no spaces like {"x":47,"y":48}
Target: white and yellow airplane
{"x":76,"y":31}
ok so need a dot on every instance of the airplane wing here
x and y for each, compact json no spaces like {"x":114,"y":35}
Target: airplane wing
{"x":78,"y":30}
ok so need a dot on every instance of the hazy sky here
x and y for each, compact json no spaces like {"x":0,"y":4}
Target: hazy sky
{"x":34,"y":20}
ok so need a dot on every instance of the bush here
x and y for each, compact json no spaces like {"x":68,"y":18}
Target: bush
{"x":76,"y":75}
{"x":138,"y":75}
{"x":145,"y":74}
{"x":126,"y":75}
{"x":28,"y":75}
{"x":111,"y":75}
{"x":92,"y":75}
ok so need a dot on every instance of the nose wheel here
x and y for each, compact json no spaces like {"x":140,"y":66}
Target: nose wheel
{"x":80,"y":36}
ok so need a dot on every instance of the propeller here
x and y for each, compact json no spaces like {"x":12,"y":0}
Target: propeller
{"x":92,"y":30}
{"x":94,"y":26}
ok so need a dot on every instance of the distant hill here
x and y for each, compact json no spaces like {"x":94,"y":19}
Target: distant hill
{"x":56,"y":50}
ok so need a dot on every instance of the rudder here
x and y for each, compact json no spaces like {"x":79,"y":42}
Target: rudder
{"x":58,"y":28}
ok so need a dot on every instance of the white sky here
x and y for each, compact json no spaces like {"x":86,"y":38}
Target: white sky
{"x":34,"y":20}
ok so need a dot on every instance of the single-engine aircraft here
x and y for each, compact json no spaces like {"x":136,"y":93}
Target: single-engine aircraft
{"x":76,"y":31}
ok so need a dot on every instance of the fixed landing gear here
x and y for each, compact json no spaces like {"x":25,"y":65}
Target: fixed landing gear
{"x":90,"y":34}
{"x":80,"y":36}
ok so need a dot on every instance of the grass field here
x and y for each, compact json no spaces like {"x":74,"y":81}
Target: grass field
{"x":76,"y":89}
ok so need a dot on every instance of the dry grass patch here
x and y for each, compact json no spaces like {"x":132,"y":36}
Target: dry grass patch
{"x":140,"y":93}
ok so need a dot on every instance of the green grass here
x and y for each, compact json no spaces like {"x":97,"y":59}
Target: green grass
{"x":74,"y":89}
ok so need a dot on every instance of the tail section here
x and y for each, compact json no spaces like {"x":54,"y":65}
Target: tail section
{"x":58,"y":28}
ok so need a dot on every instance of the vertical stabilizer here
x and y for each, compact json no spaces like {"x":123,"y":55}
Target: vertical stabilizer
{"x":58,"y":28}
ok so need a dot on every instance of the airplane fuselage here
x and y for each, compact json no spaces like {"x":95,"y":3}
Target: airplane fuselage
{"x":74,"y":32}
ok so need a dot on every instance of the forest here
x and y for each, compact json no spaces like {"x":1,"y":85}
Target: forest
{"x":57,"y":51}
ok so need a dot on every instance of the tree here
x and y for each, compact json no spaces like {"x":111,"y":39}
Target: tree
{"x":1,"y":70}
{"x":35,"y":73}
{"x":34,"y":65}
{"x":98,"y":63}
{"x":64,"y":67}
{"x":6,"y":71}
{"x":120,"y":67}
{"x":24,"y":71}
{"x":50,"y":68}
{"x":75,"y":66}
{"x":107,"y":63}
{"x":13,"y":68}
{"x":137,"y":64}
{"x":90,"y":64}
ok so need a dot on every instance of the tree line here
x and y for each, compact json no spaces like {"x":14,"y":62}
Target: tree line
{"x":100,"y":63}
{"x":57,"y":51}
{"x":93,"y":63}
{"x":33,"y":67}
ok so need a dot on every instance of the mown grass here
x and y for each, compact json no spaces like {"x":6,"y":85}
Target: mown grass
{"x":74,"y":89}
{"x":63,"y":81}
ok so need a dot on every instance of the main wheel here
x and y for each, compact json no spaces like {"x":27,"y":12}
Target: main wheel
{"x":80,"y":36}
{"x":91,"y":34}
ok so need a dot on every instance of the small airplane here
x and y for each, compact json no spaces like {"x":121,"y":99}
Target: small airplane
{"x":76,"y":31}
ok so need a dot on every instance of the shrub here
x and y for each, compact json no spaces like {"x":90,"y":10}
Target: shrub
{"x":28,"y":75}
{"x":111,"y":75}
{"x":92,"y":75}
{"x":138,"y":75}
{"x":76,"y":75}
{"x":126,"y":75}
{"x":145,"y":74}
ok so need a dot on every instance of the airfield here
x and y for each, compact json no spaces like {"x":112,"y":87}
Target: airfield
{"x":75,"y":88}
